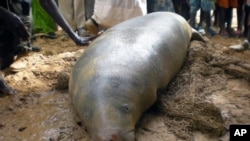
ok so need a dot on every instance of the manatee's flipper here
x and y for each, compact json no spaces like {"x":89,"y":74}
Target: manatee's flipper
{"x":197,"y":36}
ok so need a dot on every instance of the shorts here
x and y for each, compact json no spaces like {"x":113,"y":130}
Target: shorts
{"x":228,"y":3}
{"x":205,"y":5}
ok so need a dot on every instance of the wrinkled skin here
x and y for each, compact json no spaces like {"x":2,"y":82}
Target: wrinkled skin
{"x":51,"y":7}
{"x":12,"y":31}
{"x":116,"y":79}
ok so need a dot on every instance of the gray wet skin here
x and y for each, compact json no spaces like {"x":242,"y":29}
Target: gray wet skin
{"x":116,"y":79}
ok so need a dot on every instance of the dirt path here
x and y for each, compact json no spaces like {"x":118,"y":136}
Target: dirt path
{"x":211,"y":92}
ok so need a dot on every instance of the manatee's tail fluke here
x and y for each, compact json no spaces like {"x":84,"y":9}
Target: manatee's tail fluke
{"x":197,"y":36}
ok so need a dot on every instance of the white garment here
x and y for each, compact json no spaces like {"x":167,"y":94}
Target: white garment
{"x":111,"y":12}
{"x":74,"y":12}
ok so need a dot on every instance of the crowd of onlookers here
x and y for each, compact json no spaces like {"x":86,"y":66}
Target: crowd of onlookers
{"x":222,"y":13}
{"x":73,"y":11}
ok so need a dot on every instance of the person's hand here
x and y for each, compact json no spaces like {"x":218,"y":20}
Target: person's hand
{"x":81,"y":41}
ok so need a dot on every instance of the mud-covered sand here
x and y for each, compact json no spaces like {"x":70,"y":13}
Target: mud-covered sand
{"x":211,"y":91}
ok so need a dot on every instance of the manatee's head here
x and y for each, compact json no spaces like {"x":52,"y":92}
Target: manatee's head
{"x":110,"y":108}
{"x":111,"y":120}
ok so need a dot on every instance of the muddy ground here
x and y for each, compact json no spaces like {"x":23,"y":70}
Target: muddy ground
{"x":211,"y":91}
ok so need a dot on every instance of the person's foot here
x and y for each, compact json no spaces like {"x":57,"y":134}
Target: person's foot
{"x":52,"y":35}
{"x":223,"y":33}
{"x":244,"y":34}
{"x":201,"y":30}
{"x":82,"y":32}
{"x":25,"y":47}
{"x":210,"y":32}
{"x":91,"y":26}
{"x":238,"y":32}
{"x":231,"y":32}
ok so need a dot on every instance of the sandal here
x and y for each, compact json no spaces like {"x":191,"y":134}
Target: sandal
{"x":91,"y":26}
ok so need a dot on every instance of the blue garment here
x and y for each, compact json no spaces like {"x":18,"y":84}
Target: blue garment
{"x":28,"y":1}
{"x":160,"y":5}
{"x":205,"y":5}
{"x":18,"y":1}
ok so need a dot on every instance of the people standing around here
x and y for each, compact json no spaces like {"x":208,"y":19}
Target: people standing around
{"x":182,"y":7}
{"x":25,"y":14}
{"x":246,"y":42}
{"x":22,"y":9}
{"x":42,"y":22}
{"x":74,"y":13}
{"x":246,"y":18}
{"x":160,"y":5}
{"x":240,"y":17}
{"x":106,"y":14}
{"x":205,"y":6}
{"x":226,"y":15}
{"x":89,"y":8}
{"x":111,"y":12}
